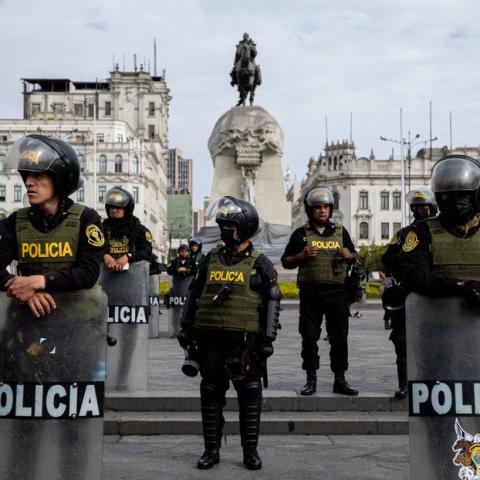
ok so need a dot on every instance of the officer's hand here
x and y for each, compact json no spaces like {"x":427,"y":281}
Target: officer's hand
{"x":22,"y":288}
{"x":120,"y":263}
{"x":184,"y":338}
{"x":109,"y":261}
{"x":345,"y":253}
{"x":309,"y":252}
{"x":471,"y":292}
{"x":267,"y":348}
{"x":41,"y":304}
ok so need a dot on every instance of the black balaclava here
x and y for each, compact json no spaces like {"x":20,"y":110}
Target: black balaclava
{"x":229,"y":236}
{"x":458,"y":209}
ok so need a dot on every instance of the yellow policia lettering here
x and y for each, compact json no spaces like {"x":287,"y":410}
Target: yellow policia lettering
{"x":411,"y":242}
{"x":226,"y":276}
{"x":325,"y":245}
{"x":46,"y":250}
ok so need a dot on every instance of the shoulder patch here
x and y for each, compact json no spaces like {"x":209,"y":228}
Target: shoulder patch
{"x":411,"y":242}
{"x":148,"y":236}
{"x":94,"y":235}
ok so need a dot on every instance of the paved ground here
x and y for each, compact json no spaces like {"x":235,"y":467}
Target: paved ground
{"x":372,"y":359}
{"x":287,"y":458}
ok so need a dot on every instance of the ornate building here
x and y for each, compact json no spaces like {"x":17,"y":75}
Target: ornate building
{"x":119,"y":128}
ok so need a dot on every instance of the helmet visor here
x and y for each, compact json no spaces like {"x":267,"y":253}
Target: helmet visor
{"x":223,"y":208}
{"x":319,"y":196}
{"x":455,"y":174}
{"x":420,"y":196}
{"x":30,"y":155}
{"x":117,"y":198}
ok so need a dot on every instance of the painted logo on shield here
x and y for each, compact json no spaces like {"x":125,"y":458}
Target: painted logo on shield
{"x":467,"y":450}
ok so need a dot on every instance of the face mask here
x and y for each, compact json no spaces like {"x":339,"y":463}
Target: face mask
{"x":458,"y":211}
{"x":229,"y":236}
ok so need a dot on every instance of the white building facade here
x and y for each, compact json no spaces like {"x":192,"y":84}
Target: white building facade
{"x":126,"y":142}
{"x":367,"y":191}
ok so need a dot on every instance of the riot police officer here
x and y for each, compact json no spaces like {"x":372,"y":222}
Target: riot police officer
{"x":195,"y":246}
{"x":127,"y":240}
{"x":181,"y":267}
{"x":231,"y":315}
{"x":322,"y":251}
{"x":441,"y":256}
{"x":58,"y":243}
{"x":422,"y":205}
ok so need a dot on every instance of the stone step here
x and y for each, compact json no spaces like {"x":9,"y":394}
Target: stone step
{"x":274,"y":401}
{"x":273,"y":423}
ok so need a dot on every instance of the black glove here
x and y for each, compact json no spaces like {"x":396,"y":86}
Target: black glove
{"x":267,"y":348}
{"x":471,"y":292}
{"x":185,"y":338}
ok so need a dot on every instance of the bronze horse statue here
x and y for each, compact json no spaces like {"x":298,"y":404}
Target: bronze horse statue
{"x":245,"y":74}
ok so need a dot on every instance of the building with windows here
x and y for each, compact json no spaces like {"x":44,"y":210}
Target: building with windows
{"x":366,"y":190}
{"x":179,"y":172}
{"x":119,"y":128}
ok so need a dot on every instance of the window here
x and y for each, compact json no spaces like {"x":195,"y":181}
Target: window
{"x":102,"y":164}
{"x":78,"y":109}
{"x":396,"y":227}
{"x":136,"y":164}
{"x":108,"y":109}
{"x":100,"y":137}
{"x":119,"y":138}
{"x":81,"y":160}
{"x":118,"y":163}
{"x":17,"y":193}
{"x":363,"y":231}
{"x":384,"y":201}
{"x":151,"y":132}
{"x":363,"y":201}
{"x":335,"y":201}
{"x":397,"y":200}
{"x":58,"y":107}
{"x":81,"y":194}
{"x":91,"y":109}
{"x":135,"y":194}
{"x":3,"y":193}
{"x":102,"y":193}
{"x":36,"y":108}
{"x":151,"y":109}
{"x":384,"y":228}
{"x":2,"y":162}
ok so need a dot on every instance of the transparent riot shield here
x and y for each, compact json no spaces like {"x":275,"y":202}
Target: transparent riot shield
{"x":154,"y":315}
{"x":52,"y":374}
{"x":443,"y":338}
{"x":127,"y":293}
{"x":176,"y":300}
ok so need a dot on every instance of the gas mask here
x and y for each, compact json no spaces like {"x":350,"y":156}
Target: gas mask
{"x":458,"y":209}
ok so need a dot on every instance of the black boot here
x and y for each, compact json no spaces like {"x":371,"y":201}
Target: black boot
{"x":311,"y":386}
{"x":212,"y":423}
{"x":250,"y":406}
{"x":402,"y":391}
{"x":341,"y":386}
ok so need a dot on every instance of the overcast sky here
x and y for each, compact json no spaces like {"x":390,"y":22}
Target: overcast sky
{"x":318,"y":58}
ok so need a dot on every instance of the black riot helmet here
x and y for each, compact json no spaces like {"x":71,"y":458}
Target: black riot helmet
{"x":419,"y":197}
{"x":49,"y":156}
{"x":119,"y":197}
{"x":196,"y":241}
{"x":318,"y":196}
{"x":183,"y":248}
{"x":242,"y":213}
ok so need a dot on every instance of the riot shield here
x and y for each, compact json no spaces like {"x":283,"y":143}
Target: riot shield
{"x":176,"y":300}
{"x":443,"y":337}
{"x":154,"y":315}
{"x":128,"y":324}
{"x":52,"y":374}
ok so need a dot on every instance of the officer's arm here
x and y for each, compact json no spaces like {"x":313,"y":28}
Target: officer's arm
{"x":294,"y":251}
{"x":416,"y":264}
{"x":348,"y":244}
{"x":8,"y":248}
{"x":90,"y":252}
{"x":143,"y":245}
{"x":390,"y":257}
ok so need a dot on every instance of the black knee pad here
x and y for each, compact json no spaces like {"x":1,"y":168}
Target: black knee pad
{"x":211,"y":392}
{"x":250,"y":390}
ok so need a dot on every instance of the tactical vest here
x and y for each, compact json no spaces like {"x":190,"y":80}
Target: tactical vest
{"x":117,"y":247}
{"x":239,"y":310}
{"x":40,"y":252}
{"x":453,"y":256}
{"x":320,"y":269}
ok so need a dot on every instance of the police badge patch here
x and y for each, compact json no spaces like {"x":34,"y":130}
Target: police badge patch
{"x":467,"y":453}
{"x":411,"y":242}
{"x":94,"y":235}
{"x":148,"y":236}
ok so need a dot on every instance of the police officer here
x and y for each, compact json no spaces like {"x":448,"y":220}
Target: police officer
{"x":195,"y":246}
{"x":322,"y":251}
{"x":422,"y":205}
{"x":441,"y":256}
{"x":127,"y":240}
{"x":181,"y":267}
{"x":231,"y":315}
{"x":58,"y":243}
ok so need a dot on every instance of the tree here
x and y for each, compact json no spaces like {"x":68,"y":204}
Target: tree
{"x":370,"y":256}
